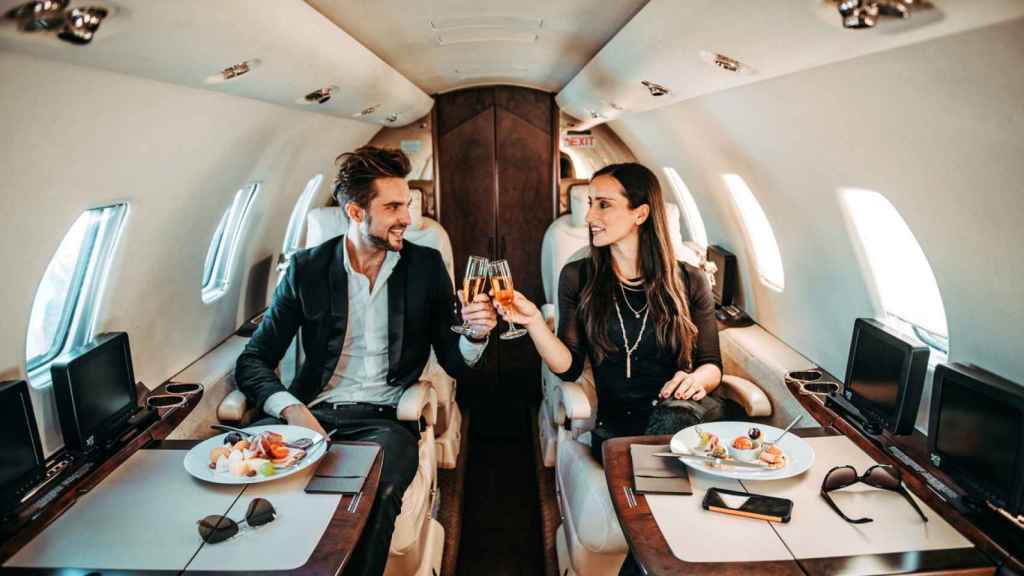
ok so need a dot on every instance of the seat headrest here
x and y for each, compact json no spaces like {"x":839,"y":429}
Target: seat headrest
{"x":322,"y":224}
{"x":416,"y":209}
{"x":579,"y":204}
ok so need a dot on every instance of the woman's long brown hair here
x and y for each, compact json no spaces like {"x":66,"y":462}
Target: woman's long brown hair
{"x":669,"y":306}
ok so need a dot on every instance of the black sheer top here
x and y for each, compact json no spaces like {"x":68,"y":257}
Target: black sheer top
{"x":650,"y":366}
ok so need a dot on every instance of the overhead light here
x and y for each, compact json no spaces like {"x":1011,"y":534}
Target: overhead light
{"x":366,"y":111}
{"x":725,"y":62}
{"x":81,"y":24}
{"x":595,"y":115}
{"x":320,"y":96}
{"x":233,"y":71}
{"x":615,"y":106}
{"x":38,"y":15}
{"x":655,"y":88}
{"x":393,"y":117}
{"x":858,"y":14}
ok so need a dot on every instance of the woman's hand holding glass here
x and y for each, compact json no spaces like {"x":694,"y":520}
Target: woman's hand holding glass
{"x":519,"y":311}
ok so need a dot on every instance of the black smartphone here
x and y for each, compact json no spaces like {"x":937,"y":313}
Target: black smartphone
{"x":748,"y":505}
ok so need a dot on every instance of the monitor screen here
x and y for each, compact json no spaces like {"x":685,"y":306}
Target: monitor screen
{"x":102,"y":383}
{"x":876,"y":372}
{"x":21,"y":451}
{"x":978,"y":433}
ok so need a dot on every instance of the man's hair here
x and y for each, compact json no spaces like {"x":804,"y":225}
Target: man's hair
{"x":357,"y":171}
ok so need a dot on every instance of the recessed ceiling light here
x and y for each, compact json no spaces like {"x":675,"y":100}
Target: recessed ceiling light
{"x":393,"y":117}
{"x":233,"y":71}
{"x":655,"y":88}
{"x":38,"y":15}
{"x":725,"y":62}
{"x":595,"y":115}
{"x":81,"y":24}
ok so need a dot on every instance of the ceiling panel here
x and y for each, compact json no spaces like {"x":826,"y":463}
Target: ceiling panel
{"x":442,"y":45}
{"x":664,"y":41}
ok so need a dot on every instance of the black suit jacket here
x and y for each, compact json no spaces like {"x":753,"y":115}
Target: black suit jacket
{"x":313,"y":296}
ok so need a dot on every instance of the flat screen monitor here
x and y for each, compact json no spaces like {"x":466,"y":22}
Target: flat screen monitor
{"x":976,"y":433}
{"x":885,"y":374}
{"x":95,"y":390}
{"x":726,"y":274}
{"x":22,"y":453}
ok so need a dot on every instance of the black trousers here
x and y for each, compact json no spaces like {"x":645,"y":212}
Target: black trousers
{"x":399,"y":443}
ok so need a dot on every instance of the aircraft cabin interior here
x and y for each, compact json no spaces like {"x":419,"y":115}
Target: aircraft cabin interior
{"x":572,"y":288}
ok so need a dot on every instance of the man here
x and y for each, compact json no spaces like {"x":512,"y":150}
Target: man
{"x":370,"y":307}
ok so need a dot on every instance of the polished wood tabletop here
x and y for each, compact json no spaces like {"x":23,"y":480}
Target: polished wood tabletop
{"x":653,"y":554}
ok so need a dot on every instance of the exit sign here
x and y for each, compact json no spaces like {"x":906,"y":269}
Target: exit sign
{"x":578,"y":141}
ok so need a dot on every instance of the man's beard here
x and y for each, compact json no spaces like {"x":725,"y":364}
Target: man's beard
{"x":382,"y":242}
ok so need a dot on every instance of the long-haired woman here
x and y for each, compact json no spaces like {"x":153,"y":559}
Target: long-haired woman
{"x":645,"y":321}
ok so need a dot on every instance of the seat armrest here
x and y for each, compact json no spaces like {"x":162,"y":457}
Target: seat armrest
{"x":548,"y":311}
{"x":233,"y":407}
{"x":748,"y":395}
{"x":418,"y":401}
{"x":575,"y":401}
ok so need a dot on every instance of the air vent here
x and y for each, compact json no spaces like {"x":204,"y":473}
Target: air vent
{"x":320,"y":96}
{"x":595,"y":115}
{"x":392,"y":118}
{"x":476,"y":71}
{"x":76,"y":26}
{"x":615,"y":106}
{"x":449,"y":31}
{"x":81,"y":25}
{"x":655,"y":88}
{"x":859,"y":14}
{"x":366,"y":111}
{"x":725,"y":62}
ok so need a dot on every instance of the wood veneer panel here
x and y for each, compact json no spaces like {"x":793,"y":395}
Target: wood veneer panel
{"x":454,"y":108}
{"x":468,"y":177}
{"x":533,"y":106}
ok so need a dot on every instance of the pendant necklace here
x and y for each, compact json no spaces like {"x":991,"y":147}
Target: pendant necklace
{"x":635,"y":312}
{"x":625,"y":339}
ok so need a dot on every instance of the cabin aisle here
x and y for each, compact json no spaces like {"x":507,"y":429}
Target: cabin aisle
{"x":501,"y":527}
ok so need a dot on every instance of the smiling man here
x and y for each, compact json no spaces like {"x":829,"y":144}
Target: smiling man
{"x":371,"y":306}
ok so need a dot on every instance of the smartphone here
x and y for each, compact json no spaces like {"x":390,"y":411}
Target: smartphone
{"x":748,"y":505}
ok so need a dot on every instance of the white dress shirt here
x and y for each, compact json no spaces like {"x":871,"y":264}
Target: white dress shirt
{"x":362,"y":370}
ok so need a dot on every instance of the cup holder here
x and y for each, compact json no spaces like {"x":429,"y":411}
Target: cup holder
{"x":804,"y":375}
{"x":183,"y":388}
{"x":165,"y":401}
{"x":820,"y":388}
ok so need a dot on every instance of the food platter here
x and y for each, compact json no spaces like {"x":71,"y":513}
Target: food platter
{"x":798,"y":454}
{"x":199,"y":458}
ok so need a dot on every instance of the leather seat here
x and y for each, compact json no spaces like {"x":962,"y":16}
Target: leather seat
{"x":417,"y":542}
{"x":589,"y":541}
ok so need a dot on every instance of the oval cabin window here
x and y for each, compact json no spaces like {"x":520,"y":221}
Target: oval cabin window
{"x":221,"y":255}
{"x":691,"y":214}
{"x":759,"y":232}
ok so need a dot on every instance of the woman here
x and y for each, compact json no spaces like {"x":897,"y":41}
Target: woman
{"x":645,"y":321}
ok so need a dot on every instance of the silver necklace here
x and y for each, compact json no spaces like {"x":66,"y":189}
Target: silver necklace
{"x":631,"y":309}
{"x":625,"y":339}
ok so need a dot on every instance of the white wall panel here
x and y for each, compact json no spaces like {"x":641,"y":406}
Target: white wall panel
{"x":938,"y":128}
{"x":77,"y":137}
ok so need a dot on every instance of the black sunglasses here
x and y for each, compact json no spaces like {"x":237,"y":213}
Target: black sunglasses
{"x":878,"y":476}
{"x":216,"y":528}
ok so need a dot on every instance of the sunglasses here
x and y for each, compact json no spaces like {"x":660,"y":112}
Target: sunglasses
{"x":878,"y":476}
{"x":216,"y":528}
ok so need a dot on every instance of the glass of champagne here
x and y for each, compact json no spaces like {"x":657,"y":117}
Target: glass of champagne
{"x":501,"y":283}
{"x":473,"y":283}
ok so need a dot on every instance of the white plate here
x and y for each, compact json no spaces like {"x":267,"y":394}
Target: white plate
{"x":197,"y":461}
{"x":799,"y":454}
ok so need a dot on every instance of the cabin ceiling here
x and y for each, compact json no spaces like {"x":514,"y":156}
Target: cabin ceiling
{"x":442,"y":45}
{"x":663,"y":42}
{"x":186,"y":42}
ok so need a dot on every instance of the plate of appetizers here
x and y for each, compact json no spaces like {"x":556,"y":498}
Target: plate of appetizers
{"x":258,"y":454}
{"x":742,"y":450}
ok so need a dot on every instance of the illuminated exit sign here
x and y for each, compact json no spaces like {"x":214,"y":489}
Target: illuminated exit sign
{"x":578,"y":140}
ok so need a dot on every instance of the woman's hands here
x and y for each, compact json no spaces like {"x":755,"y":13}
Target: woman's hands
{"x":683,"y":386}
{"x":521,"y":311}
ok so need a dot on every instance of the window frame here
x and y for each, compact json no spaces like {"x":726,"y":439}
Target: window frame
{"x":695,"y":226}
{"x":77,"y":322}
{"x":226,"y":238}
{"x":762,"y":251}
{"x":297,"y":221}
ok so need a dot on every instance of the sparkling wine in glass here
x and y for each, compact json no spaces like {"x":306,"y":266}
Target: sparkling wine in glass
{"x":473,"y":283}
{"x":505,"y":294}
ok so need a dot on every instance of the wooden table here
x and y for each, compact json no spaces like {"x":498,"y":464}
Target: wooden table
{"x":653,"y":554}
{"x":329,"y":556}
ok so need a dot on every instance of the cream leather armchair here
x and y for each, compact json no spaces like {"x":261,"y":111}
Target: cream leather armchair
{"x":589,"y":541}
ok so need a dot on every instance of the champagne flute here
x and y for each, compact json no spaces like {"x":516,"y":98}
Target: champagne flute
{"x":501,"y":283}
{"x":473,"y":283}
